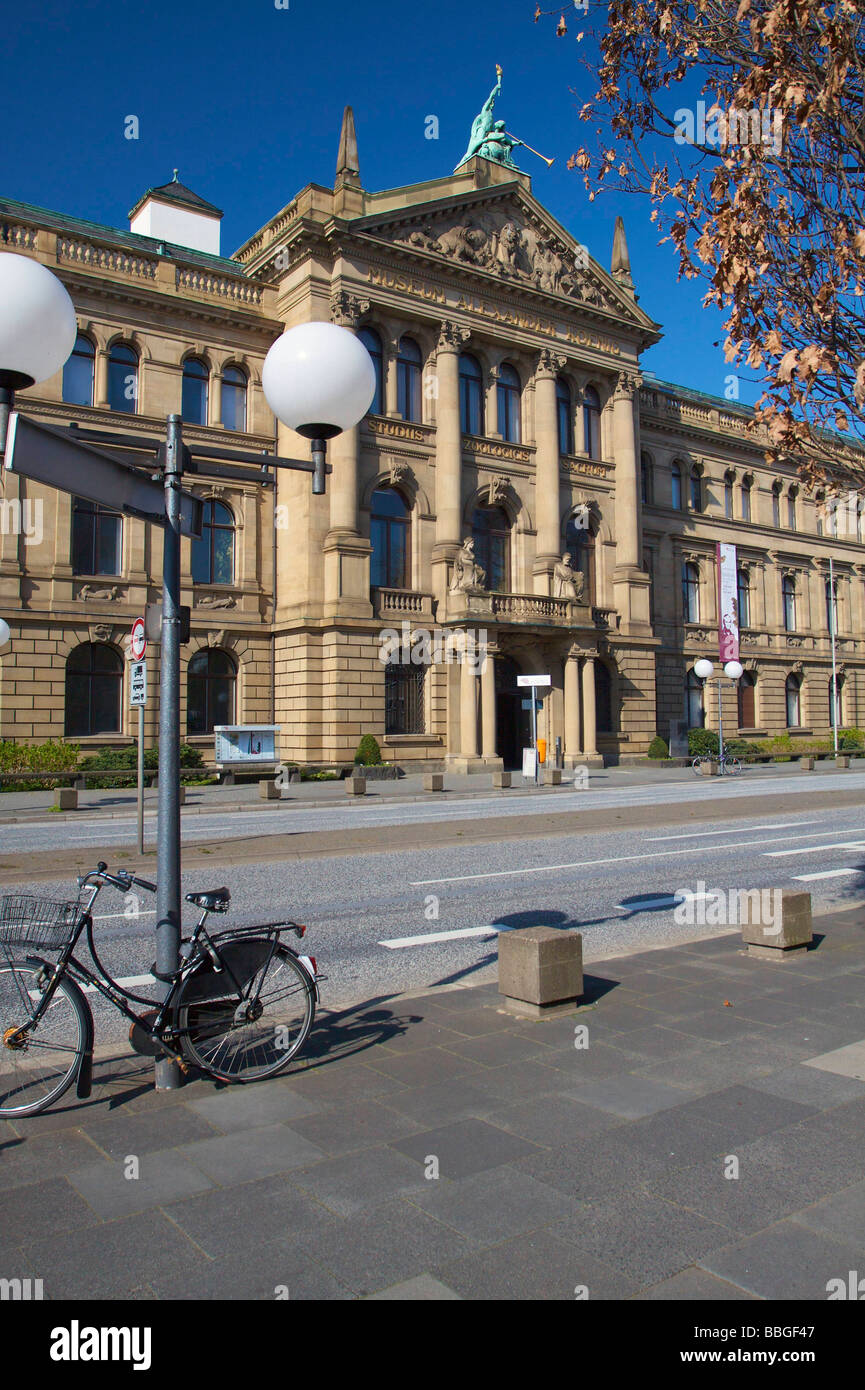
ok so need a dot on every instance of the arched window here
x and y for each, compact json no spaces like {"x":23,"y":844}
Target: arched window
{"x":791,"y":509}
{"x":792,"y":690}
{"x":728,"y":496}
{"x":743,"y":595}
{"x":746,"y":499}
{"x":213,"y":554}
{"x":646,"y":479}
{"x":196,"y":376}
{"x":776,"y":505}
{"x":408,"y":373}
{"x":831,"y":606}
{"x":591,"y":423}
{"x":508,"y":400}
{"x":78,"y":374}
{"x":234,"y":386}
{"x":211,"y":679}
{"x":604,"y":713}
{"x":747,"y":700}
{"x":390,"y":534}
{"x":491,"y":533}
{"x":696,"y":490}
{"x":471,"y":395}
{"x":676,"y":482}
{"x":580,"y":545}
{"x":836,"y":705}
{"x":94,"y":686}
{"x":694,"y":711}
{"x":97,"y":538}
{"x":123,"y":378}
{"x":372,"y":343}
{"x":788,"y":598}
{"x":691,"y":592}
{"x":565,"y":414}
{"x":403,"y":699}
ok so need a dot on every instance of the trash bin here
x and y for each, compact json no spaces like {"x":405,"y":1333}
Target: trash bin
{"x":542,"y":750}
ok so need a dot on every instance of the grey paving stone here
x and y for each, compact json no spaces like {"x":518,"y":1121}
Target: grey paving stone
{"x":757,"y":1198}
{"x":553,"y":1120}
{"x":694,"y":1285}
{"x":841,"y":1216}
{"x":642,"y":1235}
{"x":226,"y":1220}
{"x":443,"y":1101}
{"x":422,"y":1289}
{"x":361,"y":1125}
{"x":813,"y":1159}
{"x":842,"y":1061}
{"x":491,"y":1209}
{"x":394,"y":1241}
{"x":331,"y":1082}
{"x":272,"y":1271}
{"x":630,"y":1097}
{"x":716,"y":1068}
{"x":118,"y":1133}
{"x":163,"y":1177}
{"x":802,"y":1083}
{"x":787,"y":1261}
{"x":539,"y":1267}
{"x":421,"y":1068}
{"x":112,"y":1259}
{"x":250,"y":1107}
{"x":744,"y":1113}
{"x":623,"y":1016}
{"x":768,"y":1009}
{"x":595,"y":1167}
{"x":477,"y":1023}
{"x":598,"y":1060}
{"x":504,"y":1084}
{"x":672,"y":1139}
{"x":52,"y":1155}
{"x":417,"y":1036}
{"x":367,"y":1178}
{"x":496,"y":1049}
{"x":658,"y":1041}
{"x":465,"y":1147}
{"x":256,"y":1153}
{"x":717,"y":1023}
{"x":29,"y":1213}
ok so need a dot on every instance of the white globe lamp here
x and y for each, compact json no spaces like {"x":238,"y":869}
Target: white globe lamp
{"x":734,"y":669}
{"x":4,"y":632}
{"x":319,"y":380}
{"x":37,"y":322}
{"x":703,"y":668}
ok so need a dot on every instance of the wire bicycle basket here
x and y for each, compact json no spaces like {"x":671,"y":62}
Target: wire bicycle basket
{"x":29,"y":921}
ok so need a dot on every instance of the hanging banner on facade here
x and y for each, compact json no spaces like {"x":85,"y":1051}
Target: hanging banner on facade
{"x":728,"y":603}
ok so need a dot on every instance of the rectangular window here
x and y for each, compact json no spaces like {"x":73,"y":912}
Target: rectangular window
{"x":403,"y":698}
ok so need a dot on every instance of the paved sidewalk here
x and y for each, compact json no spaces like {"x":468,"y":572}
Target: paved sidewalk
{"x":607,"y":1167}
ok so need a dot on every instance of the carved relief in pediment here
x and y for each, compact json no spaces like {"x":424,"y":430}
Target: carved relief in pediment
{"x":504,"y":245}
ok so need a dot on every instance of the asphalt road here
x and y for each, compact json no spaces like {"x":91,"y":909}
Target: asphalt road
{"x":390,"y":922}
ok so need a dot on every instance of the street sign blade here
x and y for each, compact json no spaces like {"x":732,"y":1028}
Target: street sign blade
{"x":523,"y":681}
{"x":53,"y":457}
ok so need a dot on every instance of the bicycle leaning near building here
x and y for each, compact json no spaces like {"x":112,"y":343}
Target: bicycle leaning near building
{"x":239,"y":1008}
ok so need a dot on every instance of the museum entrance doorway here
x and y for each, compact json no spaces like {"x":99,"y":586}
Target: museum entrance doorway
{"x":513,"y":723}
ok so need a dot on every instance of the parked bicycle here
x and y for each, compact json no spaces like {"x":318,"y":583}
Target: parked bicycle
{"x":239,"y":1007}
{"x":726,"y":766}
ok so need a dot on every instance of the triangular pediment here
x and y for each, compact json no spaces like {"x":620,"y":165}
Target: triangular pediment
{"x":507,"y":235}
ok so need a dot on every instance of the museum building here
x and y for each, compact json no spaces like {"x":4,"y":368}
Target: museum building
{"x":510,"y":412}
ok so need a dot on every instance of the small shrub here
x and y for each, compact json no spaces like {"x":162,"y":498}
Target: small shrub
{"x":658,"y":748}
{"x":38,"y":758}
{"x":702,"y":743}
{"x":368,"y":752}
{"x":850,"y":739}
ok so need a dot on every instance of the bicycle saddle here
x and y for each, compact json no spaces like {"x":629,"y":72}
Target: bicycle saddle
{"x":215,"y":900}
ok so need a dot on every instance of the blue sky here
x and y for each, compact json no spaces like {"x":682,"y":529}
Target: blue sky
{"x":246,"y":100}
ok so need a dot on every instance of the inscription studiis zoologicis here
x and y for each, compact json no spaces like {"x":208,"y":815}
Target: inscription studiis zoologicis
{"x":484,"y":308}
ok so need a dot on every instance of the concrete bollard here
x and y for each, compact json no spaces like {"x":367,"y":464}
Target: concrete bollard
{"x":807,"y":764}
{"x":66,"y":798}
{"x":355,"y":786}
{"x":433,"y":782}
{"x":781,"y":932}
{"x":269,"y":790}
{"x":540,"y":971}
{"x":554,"y":777}
{"x":501,"y":780}
{"x":709,"y":767}
{"x":842,"y":760}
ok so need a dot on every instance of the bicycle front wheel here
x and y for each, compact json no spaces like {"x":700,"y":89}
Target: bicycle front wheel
{"x":248,"y":1020}
{"x":696,"y":765}
{"x":734,"y":765}
{"x":38,"y":1059}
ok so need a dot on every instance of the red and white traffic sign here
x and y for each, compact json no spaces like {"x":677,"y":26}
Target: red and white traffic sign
{"x":138,"y":641}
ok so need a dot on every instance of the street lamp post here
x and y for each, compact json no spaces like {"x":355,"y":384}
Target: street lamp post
{"x":317,"y":378}
{"x":706,"y":672}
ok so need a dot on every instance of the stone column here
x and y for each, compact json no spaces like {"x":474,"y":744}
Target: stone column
{"x":590,"y":732}
{"x":389,"y":348}
{"x":627,"y":473}
{"x":468,"y":712}
{"x":448,"y":487}
{"x":215,"y":403}
{"x":572,"y":704}
{"x":100,"y":394}
{"x":488,"y":706}
{"x":547,"y":469}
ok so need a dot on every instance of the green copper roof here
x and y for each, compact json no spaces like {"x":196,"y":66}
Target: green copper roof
{"x":58,"y":221}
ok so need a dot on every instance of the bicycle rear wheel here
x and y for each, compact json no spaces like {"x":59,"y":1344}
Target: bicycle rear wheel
{"x":38,"y":1061}
{"x":696,"y":764}
{"x":250,"y":1032}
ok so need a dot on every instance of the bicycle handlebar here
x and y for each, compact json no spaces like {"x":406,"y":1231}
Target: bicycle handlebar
{"x":122,"y":880}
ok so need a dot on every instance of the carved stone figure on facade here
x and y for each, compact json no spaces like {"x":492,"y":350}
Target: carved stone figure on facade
{"x":216,"y":601}
{"x":399,"y":473}
{"x":568,"y":583}
{"x":91,"y":591}
{"x":507,"y":249}
{"x":498,"y":490}
{"x":468,"y":576}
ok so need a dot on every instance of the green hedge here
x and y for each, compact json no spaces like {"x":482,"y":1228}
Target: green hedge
{"x":368,"y":752}
{"x":118,"y":759}
{"x":53,"y":756}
